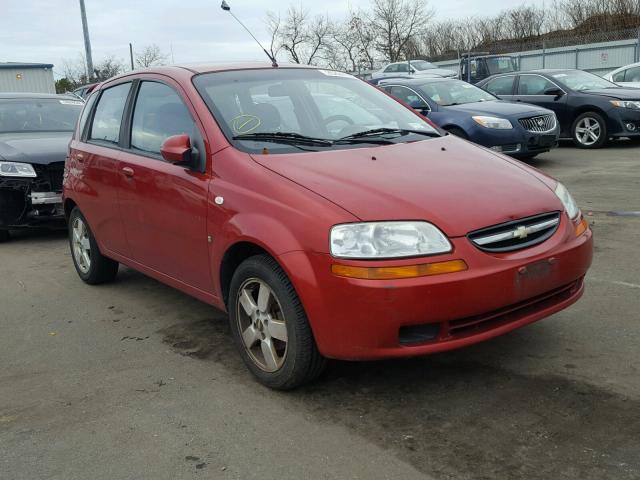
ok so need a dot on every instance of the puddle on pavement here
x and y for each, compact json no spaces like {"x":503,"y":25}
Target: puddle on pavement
{"x":456,"y":419}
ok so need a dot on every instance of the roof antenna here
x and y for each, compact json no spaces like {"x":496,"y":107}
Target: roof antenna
{"x":225,"y":6}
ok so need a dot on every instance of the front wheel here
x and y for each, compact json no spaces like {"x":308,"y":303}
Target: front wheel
{"x":458,"y":132}
{"x":92,"y":267}
{"x":589,"y":131}
{"x":269,"y":326}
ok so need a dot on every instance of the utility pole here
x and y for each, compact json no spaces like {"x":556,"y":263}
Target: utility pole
{"x":87,"y":42}
{"x":131,"y":56}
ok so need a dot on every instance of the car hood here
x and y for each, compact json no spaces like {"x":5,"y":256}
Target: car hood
{"x":498,"y":108}
{"x":439,"y":72}
{"x":450,"y":182}
{"x":40,"y":148}
{"x":622,"y":93}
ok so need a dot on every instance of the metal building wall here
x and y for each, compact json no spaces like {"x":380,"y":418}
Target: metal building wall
{"x":598,"y":58}
{"x":31,"y":80}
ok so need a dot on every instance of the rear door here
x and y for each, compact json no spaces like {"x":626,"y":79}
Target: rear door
{"x":502,"y":87}
{"x":94,"y":157}
{"x":163,"y":205}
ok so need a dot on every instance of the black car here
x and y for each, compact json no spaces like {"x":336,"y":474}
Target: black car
{"x":590,"y":109}
{"x":475,"y":67}
{"x":35,"y":130}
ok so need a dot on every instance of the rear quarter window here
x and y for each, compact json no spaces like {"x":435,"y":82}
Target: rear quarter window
{"x":501,"y":85}
{"x":108,"y":114}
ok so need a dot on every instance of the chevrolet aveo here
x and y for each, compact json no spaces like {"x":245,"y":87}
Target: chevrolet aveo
{"x":327,"y":219}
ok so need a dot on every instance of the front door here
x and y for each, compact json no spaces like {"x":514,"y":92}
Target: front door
{"x":163,"y":205}
{"x":531,"y":89}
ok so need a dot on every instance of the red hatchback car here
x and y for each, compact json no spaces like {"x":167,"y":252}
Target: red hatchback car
{"x":329,"y":220}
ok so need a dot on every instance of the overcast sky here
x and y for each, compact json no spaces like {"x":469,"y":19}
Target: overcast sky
{"x":50,"y":31}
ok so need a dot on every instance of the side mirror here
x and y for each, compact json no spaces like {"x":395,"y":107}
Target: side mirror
{"x":177,"y":149}
{"x":418,"y":105}
{"x":555,"y":91}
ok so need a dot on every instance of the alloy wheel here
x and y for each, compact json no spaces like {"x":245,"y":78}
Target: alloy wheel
{"x":81,"y":245}
{"x":588,"y":131}
{"x":261,"y":324}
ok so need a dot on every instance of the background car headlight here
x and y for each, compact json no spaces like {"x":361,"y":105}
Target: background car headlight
{"x":15,"y":169}
{"x":378,"y":240}
{"x":567,"y":200}
{"x":633,"y":105}
{"x":493,"y":122}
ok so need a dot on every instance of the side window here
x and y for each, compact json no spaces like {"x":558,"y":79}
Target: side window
{"x":501,"y":86}
{"x":159,"y":114}
{"x":407,"y":95}
{"x":108,"y":115}
{"x":403,"y":68}
{"x":533,"y":85}
{"x":391,"y":68}
{"x":632,"y":75}
{"x":619,"y":77}
{"x":82,"y":122}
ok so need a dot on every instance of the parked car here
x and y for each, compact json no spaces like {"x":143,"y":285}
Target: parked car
{"x":413,"y":67}
{"x":590,"y":109}
{"x":379,"y":239}
{"x":85,"y":90}
{"x":628,"y":76}
{"x":478,"y":66}
{"x":519,"y":130}
{"x":35,"y":130}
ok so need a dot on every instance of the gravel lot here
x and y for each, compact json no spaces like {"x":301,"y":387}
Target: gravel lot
{"x":136,"y":380}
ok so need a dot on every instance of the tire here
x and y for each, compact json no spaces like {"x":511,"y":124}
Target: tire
{"x":457,"y":132}
{"x":92,"y":267}
{"x":5,"y":236}
{"x":589,"y":131}
{"x":270,"y":327}
{"x":526,"y":158}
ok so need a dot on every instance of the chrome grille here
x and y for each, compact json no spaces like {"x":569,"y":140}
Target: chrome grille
{"x":539,"y":124}
{"x":516,"y":235}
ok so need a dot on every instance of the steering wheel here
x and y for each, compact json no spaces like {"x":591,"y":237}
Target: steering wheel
{"x":338,"y":118}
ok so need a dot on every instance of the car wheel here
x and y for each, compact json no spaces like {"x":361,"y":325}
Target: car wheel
{"x":269,"y":326}
{"x":589,"y":131}
{"x":92,"y":267}
{"x":457,"y":132}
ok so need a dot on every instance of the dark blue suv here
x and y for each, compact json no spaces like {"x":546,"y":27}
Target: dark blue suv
{"x":516,"y":129}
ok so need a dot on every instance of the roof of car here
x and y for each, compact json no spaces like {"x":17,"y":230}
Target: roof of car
{"x":54,"y":96}
{"x":415,"y":81}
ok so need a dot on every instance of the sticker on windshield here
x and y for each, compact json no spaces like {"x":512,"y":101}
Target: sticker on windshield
{"x":243,"y":124}
{"x":70,"y":102}
{"x":333,"y":73}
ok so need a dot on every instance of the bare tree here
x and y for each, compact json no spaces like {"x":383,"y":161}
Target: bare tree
{"x":274,"y":25}
{"x":396,"y":22}
{"x":303,"y":37}
{"x":150,"y":56}
{"x":361,"y":26}
{"x":75,"y":70}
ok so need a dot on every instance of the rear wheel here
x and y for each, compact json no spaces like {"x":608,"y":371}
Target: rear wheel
{"x":269,"y":326}
{"x":589,"y":130}
{"x":92,"y":267}
{"x":4,"y":236}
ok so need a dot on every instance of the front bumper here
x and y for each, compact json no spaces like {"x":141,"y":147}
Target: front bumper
{"x":624,"y":122}
{"x":372,"y":319}
{"x":517,"y":142}
{"x":32,"y":202}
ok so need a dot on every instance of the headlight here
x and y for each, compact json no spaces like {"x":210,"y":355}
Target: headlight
{"x":567,"y":200}
{"x":493,"y":122}
{"x":380,"y":240}
{"x":15,"y":169}
{"x":633,"y":105}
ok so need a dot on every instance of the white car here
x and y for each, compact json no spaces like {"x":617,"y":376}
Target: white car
{"x":414,"y":67}
{"x":628,"y":76}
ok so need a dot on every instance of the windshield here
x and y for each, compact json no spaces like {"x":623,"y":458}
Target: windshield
{"x":579,"y":80}
{"x":38,"y":115}
{"x":318,"y":108}
{"x":501,"y":65}
{"x":455,"y":92}
{"x":422,"y":65}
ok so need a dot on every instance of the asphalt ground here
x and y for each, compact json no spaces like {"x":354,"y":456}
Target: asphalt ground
{"x":134,"y":380}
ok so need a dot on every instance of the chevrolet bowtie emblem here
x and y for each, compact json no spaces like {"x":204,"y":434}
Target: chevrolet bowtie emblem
{"x":521,"y":232}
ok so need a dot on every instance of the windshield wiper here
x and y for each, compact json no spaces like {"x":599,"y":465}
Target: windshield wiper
{"x":384,"y":131}
{"x":285,"y":137}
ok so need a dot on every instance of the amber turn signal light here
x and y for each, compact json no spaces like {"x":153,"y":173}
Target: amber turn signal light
{"x":582,"y":227}
{"x":392,"y":273}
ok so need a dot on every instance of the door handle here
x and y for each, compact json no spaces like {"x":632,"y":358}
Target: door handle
{"x":128,"y":171}
{"x":79,"y":157}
